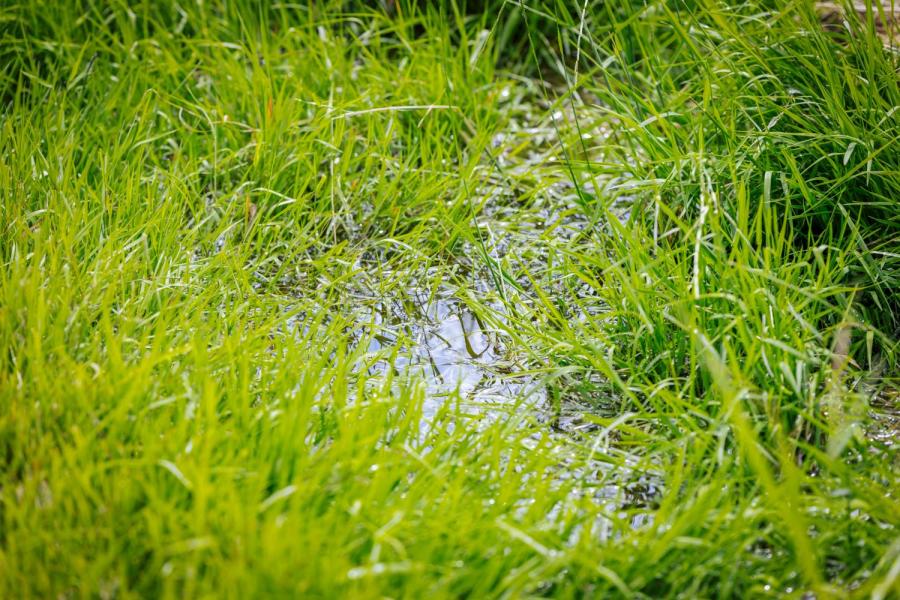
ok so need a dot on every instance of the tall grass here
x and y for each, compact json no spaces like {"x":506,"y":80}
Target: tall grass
{"x":747,"y":216}
{"x":737,"y":287}
{"x":194,"y":195}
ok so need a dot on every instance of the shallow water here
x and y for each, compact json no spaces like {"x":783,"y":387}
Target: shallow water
{"x":438,"y":340}
{"x":445,"y":344}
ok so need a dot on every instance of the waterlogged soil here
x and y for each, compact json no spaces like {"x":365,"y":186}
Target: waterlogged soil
{"x":437,"y":340}
{"x":430,"y":333}
{"x":423,"y":329}
{"x":440,"y":341}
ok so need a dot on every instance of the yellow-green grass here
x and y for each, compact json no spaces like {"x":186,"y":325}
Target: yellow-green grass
{"x":195,"y":196}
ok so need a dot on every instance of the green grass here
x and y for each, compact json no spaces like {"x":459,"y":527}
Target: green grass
{"x":680,"y":216}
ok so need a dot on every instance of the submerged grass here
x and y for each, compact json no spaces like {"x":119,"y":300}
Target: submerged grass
{"x":192,"y":196}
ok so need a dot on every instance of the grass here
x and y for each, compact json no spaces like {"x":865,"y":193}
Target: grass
{"x":681,"y":217}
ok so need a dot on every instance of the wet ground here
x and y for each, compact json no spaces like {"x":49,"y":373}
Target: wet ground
{"x":428,"y":332}
{"x":452,"y":350}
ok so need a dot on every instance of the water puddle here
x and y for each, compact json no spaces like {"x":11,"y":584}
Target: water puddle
{"x":440,"y":341}
{"x":436,"y":339}
{"x":417,"y":327}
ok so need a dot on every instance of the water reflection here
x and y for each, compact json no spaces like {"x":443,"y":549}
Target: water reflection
{"x":445,"y":344}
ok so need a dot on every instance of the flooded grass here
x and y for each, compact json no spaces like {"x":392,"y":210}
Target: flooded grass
{"x":404,"y":300}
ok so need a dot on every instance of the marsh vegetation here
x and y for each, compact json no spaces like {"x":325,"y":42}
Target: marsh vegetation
{"x":427,"y":299}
